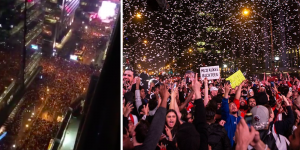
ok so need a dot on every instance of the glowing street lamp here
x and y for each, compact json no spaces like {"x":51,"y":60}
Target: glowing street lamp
{"x":276,"y":58}
{"x":246,"y":12}
{"x":145,"y":41}
{"x":138,"y":15}
{"x":190,"y":50}
{"x":225,"y":66}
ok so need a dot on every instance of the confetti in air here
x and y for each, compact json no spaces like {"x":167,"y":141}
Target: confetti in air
{"x":190,"y":34}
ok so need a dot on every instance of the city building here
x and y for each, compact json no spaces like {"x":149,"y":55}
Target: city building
{"x":59,"y":16}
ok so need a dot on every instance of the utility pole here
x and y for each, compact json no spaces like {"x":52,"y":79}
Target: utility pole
{"x":272,"y":47}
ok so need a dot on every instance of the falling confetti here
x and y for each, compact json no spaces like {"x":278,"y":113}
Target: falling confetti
{"x":192,"y":34}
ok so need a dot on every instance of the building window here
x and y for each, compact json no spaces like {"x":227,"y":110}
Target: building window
{"x":83,"y":3}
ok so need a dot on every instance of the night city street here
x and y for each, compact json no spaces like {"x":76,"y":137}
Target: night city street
{"x":45,"y":75}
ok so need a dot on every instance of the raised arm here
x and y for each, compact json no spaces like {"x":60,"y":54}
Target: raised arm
{"x":187,"y":100}
{"x":200,"y":115}
{"x":158,"y":122}
{"x":138,"y":101}
{"x":282,"y":126}
{"x":225,"y":105}
{"x":205,"y":92}
{"x":239,"y":91}
{"x":173,"y":103}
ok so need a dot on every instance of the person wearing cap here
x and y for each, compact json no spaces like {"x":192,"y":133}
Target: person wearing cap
{"x":214,"y":91}
{"x":229,"y":114}
{"x":271,"y":132}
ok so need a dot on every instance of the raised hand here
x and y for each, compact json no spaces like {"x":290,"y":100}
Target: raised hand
{"x":127,"y":109}
{"x":168,"y":132}
{"x":138,"y":81}
{"x":145,"y":110}
{"x":164,"y":93}
{"x":244,"y":136}
{"x":174,"y":93}
{"x":222,"y":122}
{"x":227,"y":89}
{"x":162,"y":146}
{"x":287,"y":103}
{"x":205,"y":81}
{"x":196,"y":85}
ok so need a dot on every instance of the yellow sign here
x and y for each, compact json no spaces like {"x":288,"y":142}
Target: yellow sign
{"x":236,"y":79}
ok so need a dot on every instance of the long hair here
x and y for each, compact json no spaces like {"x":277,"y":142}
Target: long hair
{"x":177,"y":124}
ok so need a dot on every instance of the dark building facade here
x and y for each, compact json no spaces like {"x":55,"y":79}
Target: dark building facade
{"x":59,"y":16}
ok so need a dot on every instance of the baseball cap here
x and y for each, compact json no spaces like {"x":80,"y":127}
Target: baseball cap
{"x":213,"y":89}
{"x":260,"y":117}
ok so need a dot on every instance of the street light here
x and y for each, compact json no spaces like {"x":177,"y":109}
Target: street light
{"x":138,"y":15}
{"x":276,"y":58}
{"x":145,"y":41}
{"x":225,"y":66}
{"x":246,"y":12}
{"x":190,"y":50}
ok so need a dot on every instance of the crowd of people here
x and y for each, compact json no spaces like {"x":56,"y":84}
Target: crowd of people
{"x":191,"y":113}
{"x":43,"y":132}
{"x":10,"y":65}
{"x":64,"y":81}
{"x":60,"y":82}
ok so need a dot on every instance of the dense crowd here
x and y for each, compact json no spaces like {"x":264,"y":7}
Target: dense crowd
{"x":39,"y":139}
{"x":191,"y":113}
{"x":64,"y":82}
{"x":60,"y":82}
{"x":10,"y":64}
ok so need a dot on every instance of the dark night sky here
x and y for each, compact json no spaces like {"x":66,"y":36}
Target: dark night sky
{"x":171,"y":33}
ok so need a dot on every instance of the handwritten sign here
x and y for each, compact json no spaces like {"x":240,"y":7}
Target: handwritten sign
{"x":236,"y":79}
{"x":211,"y":72}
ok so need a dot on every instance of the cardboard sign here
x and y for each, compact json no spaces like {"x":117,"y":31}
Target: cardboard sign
{"x":236,"y":79}
{"x":211,"y":72}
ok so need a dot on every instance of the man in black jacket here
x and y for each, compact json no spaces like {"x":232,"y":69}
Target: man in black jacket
{"x":187,"y":137}
{"x":217,"y":135}
{"x":146,"y":137}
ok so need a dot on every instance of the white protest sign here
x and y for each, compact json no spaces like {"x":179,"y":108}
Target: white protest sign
{"x":210,"y":72}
